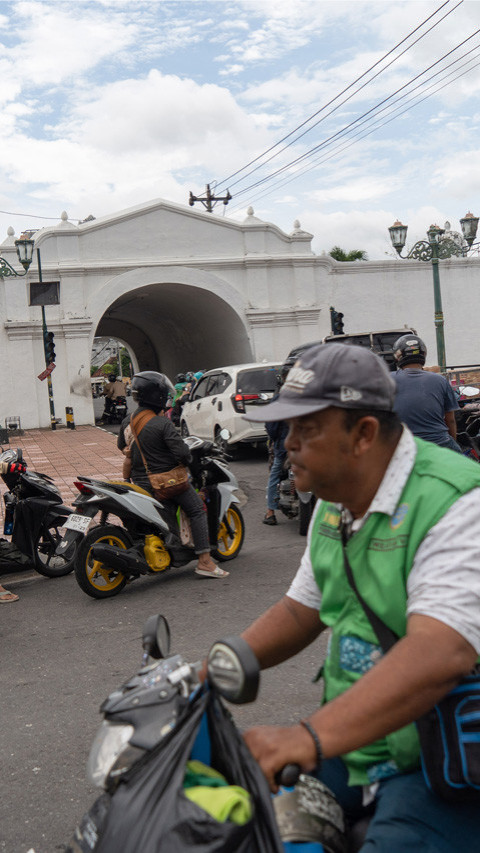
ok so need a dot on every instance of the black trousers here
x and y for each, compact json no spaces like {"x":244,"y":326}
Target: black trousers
{"x":193,"y":506}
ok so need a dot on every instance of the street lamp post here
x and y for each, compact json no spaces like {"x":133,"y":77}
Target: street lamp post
{"x":433,"y":250}
{"x":49,"y":358}
{"x":24,"y":246}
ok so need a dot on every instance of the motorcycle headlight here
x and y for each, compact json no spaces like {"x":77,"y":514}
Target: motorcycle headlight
{"x":110,"y":741}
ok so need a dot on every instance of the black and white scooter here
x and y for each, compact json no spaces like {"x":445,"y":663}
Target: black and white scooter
{"x":110,"y":554}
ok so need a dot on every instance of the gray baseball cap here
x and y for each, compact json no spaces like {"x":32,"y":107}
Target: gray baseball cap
{"x":343,"y":375}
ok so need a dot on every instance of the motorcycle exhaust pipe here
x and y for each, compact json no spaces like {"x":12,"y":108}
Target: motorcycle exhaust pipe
{"x":128,"y":561}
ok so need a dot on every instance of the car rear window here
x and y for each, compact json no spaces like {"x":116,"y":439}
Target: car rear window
{"x":258,"y":380}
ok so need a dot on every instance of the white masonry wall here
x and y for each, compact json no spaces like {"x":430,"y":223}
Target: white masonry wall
{"x":276,"y":292}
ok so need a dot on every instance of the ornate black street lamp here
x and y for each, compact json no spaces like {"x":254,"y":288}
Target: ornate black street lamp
{"x":24,"y":247}
{"x":436,"y":248}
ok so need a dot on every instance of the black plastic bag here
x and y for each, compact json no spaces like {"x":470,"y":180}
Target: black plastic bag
{"x":149,"y":813}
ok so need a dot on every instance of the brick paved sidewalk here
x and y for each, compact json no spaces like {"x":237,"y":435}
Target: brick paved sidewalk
{"x":65,"y":453}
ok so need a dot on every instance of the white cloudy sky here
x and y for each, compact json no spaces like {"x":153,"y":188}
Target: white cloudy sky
{"x":111,"y":103}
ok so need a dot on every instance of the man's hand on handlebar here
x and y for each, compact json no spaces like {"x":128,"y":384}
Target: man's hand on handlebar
{"x":276,"y":746}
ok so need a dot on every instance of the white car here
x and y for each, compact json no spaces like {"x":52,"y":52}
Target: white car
{"x":223,"y":396}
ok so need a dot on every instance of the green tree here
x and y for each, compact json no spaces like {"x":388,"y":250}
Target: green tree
{"x":354,"y":255}
{"x":126,"y":362}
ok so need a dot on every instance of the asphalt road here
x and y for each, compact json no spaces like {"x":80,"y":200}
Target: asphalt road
{"x":63,"y":652}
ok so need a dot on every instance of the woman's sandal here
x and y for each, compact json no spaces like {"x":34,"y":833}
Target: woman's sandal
{"x":7,"y":600}
{"x":217,"y":573}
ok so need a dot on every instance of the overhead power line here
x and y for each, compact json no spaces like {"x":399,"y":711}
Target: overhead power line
{"x":339,"y":95}
{"x":360,"y":119}
{"x":361,"y":135}
{"x":33,"y":216}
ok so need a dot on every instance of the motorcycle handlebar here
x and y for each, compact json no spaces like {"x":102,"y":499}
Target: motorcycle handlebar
{"x":210,"y":449}
{"x":288,"y":776}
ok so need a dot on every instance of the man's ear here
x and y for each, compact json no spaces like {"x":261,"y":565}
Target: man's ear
{"x":365,"y":434}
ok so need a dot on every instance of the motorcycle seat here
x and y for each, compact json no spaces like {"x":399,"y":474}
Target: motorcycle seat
{"x":130,"y":486}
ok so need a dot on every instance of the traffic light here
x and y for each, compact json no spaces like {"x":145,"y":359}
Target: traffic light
{"x":49,"y":347}
{"x":336,"y":321}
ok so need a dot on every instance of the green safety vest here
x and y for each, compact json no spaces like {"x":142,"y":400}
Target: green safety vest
{"x":381,"y":555}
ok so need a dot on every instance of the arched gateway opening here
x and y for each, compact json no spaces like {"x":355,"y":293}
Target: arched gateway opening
{"x":176,"y":327}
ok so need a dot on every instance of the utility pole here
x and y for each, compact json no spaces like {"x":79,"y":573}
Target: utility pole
{"x":209,"y":200}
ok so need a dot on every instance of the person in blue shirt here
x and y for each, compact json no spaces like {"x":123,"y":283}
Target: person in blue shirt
{"x":425,"y":402}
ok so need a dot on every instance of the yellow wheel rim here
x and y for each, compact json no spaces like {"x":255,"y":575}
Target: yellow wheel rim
{"x":99,"y":576}
{"x":228,"y":543}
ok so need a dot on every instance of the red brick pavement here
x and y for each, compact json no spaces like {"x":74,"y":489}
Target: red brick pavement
{"x":65,"y":453}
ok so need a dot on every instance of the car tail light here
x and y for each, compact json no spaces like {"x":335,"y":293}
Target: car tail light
{"x":239,"y":401}
{"x":82,"y":488}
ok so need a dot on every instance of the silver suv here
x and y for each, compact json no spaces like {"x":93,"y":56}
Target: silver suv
{"x":222,"y":397}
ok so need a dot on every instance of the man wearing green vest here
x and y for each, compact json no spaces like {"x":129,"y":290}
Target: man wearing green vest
{"x":409,"y":512}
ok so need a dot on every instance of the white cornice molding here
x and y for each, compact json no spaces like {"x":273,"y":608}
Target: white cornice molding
{"x":24,"y":329}
{"x":77,"y":327}
{"x":77,"y":270}
{"x":295,"y":316}
{"x":29,"y":329}
{"x":403,"y":266}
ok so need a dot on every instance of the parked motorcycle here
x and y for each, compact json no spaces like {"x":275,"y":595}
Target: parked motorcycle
{"x":295,"y":504}
{"x":163,"y":718}
{"x":35,"y":518}
{"x":110,"y":555}
{"x":468,"y":433}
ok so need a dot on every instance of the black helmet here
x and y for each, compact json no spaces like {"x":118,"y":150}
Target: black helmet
{"x":112,"y":377}
{"x":409,"y":349}
{"x":180,"y":377}
{"x":150,"y":388}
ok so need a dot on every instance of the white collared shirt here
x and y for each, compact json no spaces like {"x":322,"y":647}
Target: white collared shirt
{"x":444,"y":581}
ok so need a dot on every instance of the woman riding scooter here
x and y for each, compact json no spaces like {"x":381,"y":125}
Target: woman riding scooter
{"x":163,"y":448}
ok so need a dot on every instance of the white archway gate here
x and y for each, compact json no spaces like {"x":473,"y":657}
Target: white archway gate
{"x":188,"y":290}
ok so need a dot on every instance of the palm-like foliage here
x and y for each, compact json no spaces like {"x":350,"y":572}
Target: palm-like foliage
{"x":354,"y":255}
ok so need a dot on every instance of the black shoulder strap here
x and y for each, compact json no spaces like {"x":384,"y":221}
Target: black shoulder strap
{"x":386,"y":637}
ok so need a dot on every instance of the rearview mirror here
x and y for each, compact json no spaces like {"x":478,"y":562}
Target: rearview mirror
{"x":156,"y":637}
{"x":234,"y":670}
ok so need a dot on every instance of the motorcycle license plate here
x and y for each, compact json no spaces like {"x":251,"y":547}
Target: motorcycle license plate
{"x":80,"y":523}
